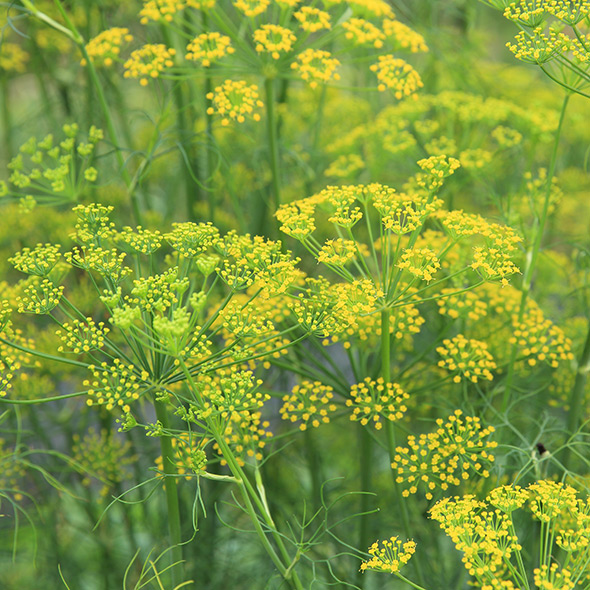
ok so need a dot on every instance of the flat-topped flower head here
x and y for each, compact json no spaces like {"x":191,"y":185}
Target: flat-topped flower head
{"x":466,"y":359}
{"x":105,"y":48}
{"x":539,"y":340}
{"x":115,"y":386}
{"x":39,"y":262}
{"x":538,"y":47}
{"x":235,"y":100}
{"x":149,"y":62}
{"x":362,"y":32}
{"x":82,"y":336}
{"x":568,"y":12}
{"x":396,"y":75}
{"x":403,"y":37}
{"x":93,"y":223}
{"x":188,"y":455}
{"x":316,"y":66}
{"x":419,"y":262}
{"x":371,"y":401}
{"x":274,"y":39}
{"x":251,"y":8}
{"x":337,"y":252}
{"x":508,"y":498}
{"x":309,"y":403}
{"x":140,"y":240}
{"x":208,"y":48}
{"x":529,"y":13}
{"x":191,"y":239}
{"x":366,"y":8}
{"x":466,"y":305}
{"x":40,"y":296}
{"x":13,"y":58}
{"x":389,"y":556}
{"x":313,"y":19}
{"x":458,"y":448}
{"x":105,"y":456}
{"x":158,"y":10}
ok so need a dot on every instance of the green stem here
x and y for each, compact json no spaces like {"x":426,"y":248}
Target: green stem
{"x":391,"y":444}
{"x":6,"y":122}
{"x":533,"y":253}
{"x":250,"y":496}
{"x":273,"y":146}
{"x":366,"y":472}
{"x":171,"y":489}
{"x":577,"y":396}
{"x":183,"y":125}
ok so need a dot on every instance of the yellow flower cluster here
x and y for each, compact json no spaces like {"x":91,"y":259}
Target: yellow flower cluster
{"x":309,"y":403}
{"x":149,"y":62}
{"x":529,"y":13}
{"x":234,"y":100}
{"x":390,"y":557}
{"x":114,"y":385}
{"x":39,"y":262}
{"x":11,"y":473}
{"x":312,"y":19}
{"x":316,"y":66}
{"x":444,"y":457}
{"x":467,"y":358}
{"x":82,"y":336}
{"x":374,"y":8}
{"x":403,"y":36}
{"x":402,"y":213}
{"x":191,"y":239}
{"x":156,"y":10}
{"x":140,"y":240}
{"x":274,"y":39}
{"x":373,"y":400}
{"x":13,"y":58}
{"x":539,"y":340}
{"x":362,"y":32}
{"x":246,"y":434}
{"x":345,"y":166}
{"x":420,"y":262}
{"x":251,"y":8}
{"x":105,"y":48}
{"x":538,"y":47}
{"x":209,"y":47}
{"x":107,"y":263}
{"x":189,"y":456}
{"x":103,"y":455}
{"x":570,"y":13}
{"x":92,"y":223}
{"x":491,"y":548}
{"x":466,"y":305}
{"x":39,"y":297}
{"x":337,"y":252}
{"x":397,"y":75}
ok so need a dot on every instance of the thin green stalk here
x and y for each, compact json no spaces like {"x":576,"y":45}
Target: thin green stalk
{"x":366,"y":473}
{"x":6,"y":122}
{"x":577,"y":396}
{"x":273,"y":146}
{"x":533,"y":253}
{"x":171,"y":489}
{"x":182,"y":124}
{"x":391,"y":444}
{"x":250,"y":496}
